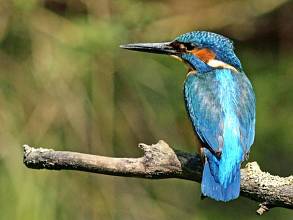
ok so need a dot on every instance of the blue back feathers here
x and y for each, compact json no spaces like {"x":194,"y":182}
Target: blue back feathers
{"x":222,"y":46}
{"x":221,"y":106}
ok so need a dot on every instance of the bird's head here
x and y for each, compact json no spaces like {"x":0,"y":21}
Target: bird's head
{"x":203,"y":51}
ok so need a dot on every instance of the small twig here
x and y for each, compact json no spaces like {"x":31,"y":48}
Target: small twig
{"x":263,"y":207}
{"x":161,"y":161}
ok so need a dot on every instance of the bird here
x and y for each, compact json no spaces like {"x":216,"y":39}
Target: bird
{"x":220,"y":103}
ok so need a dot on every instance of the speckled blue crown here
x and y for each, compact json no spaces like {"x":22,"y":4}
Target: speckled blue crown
{"x":205,"y":38}
{"x":222,"y":46}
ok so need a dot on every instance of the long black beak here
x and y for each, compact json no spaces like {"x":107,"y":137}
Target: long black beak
{"x":160,"y":48}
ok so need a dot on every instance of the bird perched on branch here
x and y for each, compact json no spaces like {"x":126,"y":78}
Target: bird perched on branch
{"x":220,"y":103}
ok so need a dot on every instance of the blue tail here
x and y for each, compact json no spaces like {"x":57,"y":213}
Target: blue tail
{"x":212,"y":187}
{"x":221,"y":177}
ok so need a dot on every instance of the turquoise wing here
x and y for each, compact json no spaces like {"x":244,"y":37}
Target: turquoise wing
{"x":207,"y":108}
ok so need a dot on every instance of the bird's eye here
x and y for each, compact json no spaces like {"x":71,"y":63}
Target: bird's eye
{"x":182,"y":47}
{"x":189,"y":46}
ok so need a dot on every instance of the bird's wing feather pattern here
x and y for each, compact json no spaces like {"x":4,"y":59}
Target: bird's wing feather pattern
{"x":201,"y":92}
{"x":245,"y":110}
{"x":203,"y":106}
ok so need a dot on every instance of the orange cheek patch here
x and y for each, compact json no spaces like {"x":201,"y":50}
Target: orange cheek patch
{"x":204,"y":54}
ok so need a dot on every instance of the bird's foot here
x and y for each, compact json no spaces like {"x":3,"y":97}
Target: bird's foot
{"x":202,"y":196}
{"x":218,"y":154}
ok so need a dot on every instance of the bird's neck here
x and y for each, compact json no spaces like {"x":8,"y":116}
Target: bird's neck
{"x":220,"y":64}
{"x":231,"y":58}
{"x":196,"y":64}
{"x":200,"y":66}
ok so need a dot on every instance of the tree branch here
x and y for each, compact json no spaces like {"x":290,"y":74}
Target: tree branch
{"x":161,"y":161}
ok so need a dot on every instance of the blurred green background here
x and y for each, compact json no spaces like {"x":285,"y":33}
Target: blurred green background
{"x":65,"y":84}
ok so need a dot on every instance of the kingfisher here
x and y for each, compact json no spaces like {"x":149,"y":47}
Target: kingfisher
{"x":220,"y":102}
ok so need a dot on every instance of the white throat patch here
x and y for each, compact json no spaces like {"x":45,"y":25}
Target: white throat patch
{"x":218,"y":63}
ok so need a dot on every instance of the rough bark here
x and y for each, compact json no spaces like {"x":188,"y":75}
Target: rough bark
{"x":161,"y":161}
